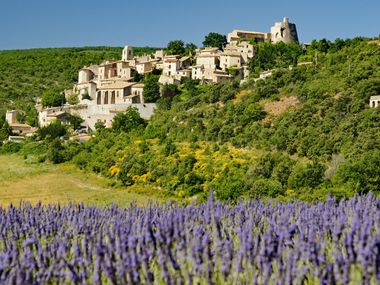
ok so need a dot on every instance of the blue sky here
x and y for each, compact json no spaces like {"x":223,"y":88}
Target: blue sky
{"x":66,"y":23}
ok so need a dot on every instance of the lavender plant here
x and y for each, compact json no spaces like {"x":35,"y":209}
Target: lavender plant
{"x":252,"y":242}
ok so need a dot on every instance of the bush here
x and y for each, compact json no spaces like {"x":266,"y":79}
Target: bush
{"x":125,"y":122}
{"x":266,"y":188}
{"x":53,"y":130}
{"x":309,"y":176}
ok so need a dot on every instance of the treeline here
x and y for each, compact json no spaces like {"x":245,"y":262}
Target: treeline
{"x":220,"y":138}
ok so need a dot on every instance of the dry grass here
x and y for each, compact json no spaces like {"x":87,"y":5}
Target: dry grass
{"x":277,"y":108}
{"x":20,"y":181}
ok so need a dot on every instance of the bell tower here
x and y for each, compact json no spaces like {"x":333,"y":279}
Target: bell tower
{"x":127,"y":53}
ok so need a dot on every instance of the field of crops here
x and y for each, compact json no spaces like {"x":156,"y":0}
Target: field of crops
{"x":247,"y":243}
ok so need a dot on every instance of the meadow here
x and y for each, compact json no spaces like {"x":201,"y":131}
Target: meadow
{"x":21,"y":180}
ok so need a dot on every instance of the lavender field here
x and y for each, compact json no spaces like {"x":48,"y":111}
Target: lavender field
{"x":248,"y":243}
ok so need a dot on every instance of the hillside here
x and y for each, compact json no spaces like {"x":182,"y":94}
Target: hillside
{"x":303,"y":132}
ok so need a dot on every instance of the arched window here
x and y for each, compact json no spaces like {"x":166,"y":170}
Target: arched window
{"x":113,"y":97}
{"x":99,"y":98}
{"x":106,"y":98}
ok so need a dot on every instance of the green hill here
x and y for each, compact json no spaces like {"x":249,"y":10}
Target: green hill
{"x":303,"y":132}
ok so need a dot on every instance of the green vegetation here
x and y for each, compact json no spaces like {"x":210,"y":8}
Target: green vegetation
{"x":25,"y":180}
{"x":225,"y":138}
{"x":215,"y":40}
{"x":151,"y":91}
{"x":178,"y":47}
{"x":53,"y":98}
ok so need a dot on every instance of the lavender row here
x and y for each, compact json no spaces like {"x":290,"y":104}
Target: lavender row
{"x":251,"y":242}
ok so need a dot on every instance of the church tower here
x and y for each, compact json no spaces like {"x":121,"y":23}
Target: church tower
{"x":127,"y":53}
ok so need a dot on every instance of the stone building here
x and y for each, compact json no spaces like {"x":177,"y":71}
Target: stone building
{"x":174,"y":67}
{"x":284,"y":32}
{"x":281,"y":32}
{"x":374,"y":101}
{"x":236,"y":35}
{"x":110,"y":91}
{"x":17,"y":127}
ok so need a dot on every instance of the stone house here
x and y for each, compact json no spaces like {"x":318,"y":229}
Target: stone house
{"x":16,"y":126}
{"x":374,"y":101}
{"x":236,"y":35}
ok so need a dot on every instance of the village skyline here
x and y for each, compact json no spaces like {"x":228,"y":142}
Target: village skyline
{"x":41,"y":23}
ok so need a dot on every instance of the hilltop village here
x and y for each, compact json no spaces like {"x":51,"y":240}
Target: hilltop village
{"x":107,"y":89}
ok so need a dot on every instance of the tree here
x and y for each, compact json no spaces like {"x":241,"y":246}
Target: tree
{"x":75,"y":121}
{"x":53,"y":130}
{"x":175,"y":47}
{"x":190,"y":48}
{"x":100,"y":125}
{"x":73,"y":99}
{"x":266,"y":187}
{"x":309,"y":176}
{"x":54,"y":153}
{"x":215,"y":40}
{"x":52,"y":98}
{"x":151,"y":91}
{"x":169,"y":90}
{"x":125,"y":122}
{"x":5,"y":130}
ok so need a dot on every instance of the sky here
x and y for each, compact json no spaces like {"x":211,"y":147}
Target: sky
{"x":73,"y":23}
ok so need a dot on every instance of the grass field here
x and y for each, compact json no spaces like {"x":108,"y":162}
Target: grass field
{"x":23,"y":181}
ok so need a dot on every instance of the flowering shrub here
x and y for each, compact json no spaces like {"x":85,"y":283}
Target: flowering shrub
{"x":249,"y":243}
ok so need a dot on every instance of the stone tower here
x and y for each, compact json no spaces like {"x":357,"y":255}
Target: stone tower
{"x":284,"y":32}
{"x":127,"y":53}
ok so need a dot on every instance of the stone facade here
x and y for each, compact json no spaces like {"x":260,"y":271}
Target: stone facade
{"x":374,"y":101}
{"x":284,"y":32}
{"x":105,"y":90}
{"x":281,"y":32}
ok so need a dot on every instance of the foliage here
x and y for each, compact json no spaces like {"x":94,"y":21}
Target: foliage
{"x":52,"y":131}
{"x":127,"y":121}
{"x":54,"y":153}
{"x":74,"y":98}
{"x":151,"y":91}
{"x":169,"y":90}
{"x":53,"y":98}
{"x":75,"y":121}
{"x":100,"y":125}
{"x":269,"y":56}
{"x":215,"y":40}
{"x":246,"y":139}
{"x":5,"y":129}
{"x":175,"y":47}
{"x":190,"y":49}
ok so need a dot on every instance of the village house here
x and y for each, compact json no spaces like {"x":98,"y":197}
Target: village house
{"x":174,"y":68}
{"x":236,"y":35}
{"x":281,"y":32}
{"x":18,"y":128}
{"x":374,"y":101}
